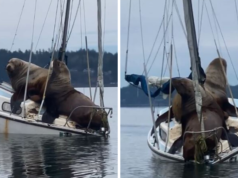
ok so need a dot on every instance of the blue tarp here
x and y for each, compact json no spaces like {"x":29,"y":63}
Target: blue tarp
{"x":140,"y":79}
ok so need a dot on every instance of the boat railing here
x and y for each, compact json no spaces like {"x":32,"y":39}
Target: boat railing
{"x":95,"y":108}
{"x":213,"y":131}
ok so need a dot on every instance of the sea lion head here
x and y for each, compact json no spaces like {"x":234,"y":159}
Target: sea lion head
{"x":61,"y":70}
{"x":216,"y":74}
{"x":14,"y":65}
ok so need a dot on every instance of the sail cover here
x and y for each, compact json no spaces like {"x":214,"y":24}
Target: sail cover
{"x":157,"y":84}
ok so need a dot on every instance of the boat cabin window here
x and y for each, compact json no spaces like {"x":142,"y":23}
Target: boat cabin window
{"x":5,"y":93}
{"x":7,"y":108}
{"x":163,"y":135}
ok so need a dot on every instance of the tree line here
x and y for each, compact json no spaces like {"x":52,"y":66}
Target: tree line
{"x":77,"y":64}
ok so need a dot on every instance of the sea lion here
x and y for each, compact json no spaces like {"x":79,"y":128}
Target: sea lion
{"x":215,"y":84}
{"x":62,"y":99}
{"x":17,"y":72}
{"x":213,"y":117}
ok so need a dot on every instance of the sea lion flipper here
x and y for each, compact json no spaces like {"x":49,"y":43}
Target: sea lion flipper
{"x":176,"y":145}
{"x":233,"y":139}
{"x":15,"y":102}
{"x":34,"y":95}
{"x":230,"y":109}
{"x":48,"y":118}
{"x":163,"y":118}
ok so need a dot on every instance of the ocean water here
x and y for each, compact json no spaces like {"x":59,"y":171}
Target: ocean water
{"x":62,"y":157}
{"x":137,"y":160}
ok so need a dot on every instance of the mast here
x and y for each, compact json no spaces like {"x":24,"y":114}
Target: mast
{"x":197,"y":75}
{"x":100,"y":57}
{"x":62,"y":49}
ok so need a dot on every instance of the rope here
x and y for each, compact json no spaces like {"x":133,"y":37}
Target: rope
{"x":17,"y":25}
{"x":43,"y":25}
{"x":141,"y":32}
{"x":223,"y":40}
{"x":200,"y":149}
{"x":128,"y":35}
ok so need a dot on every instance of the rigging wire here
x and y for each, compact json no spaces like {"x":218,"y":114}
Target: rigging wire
{"x":43,"y":25}
{"x":74,"y":21}
{"x":81,"y":31}
{"x":17,"y":25}
{"x":54,"y":25}
{"x":215,"y":24}
{"x":180,"y":19}
{"x":70,"y":14}
{"x":198,"y":14}
{"x":128,"y":35}
{"x":141,"y":32}
{"x":159,"y":45}
{"x":236,"y":10}
{"x":219,"y":27}
{"x":61,"y":22}
{"x":104,"y":27}
{"x":173,"y":41}
{"x":85,"y":30}
{"x":29,"y":64}
{"x":162,"y":22}
{"x":200,"y":26}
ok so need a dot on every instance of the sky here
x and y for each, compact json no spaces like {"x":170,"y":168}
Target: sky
{"x":10,"y":11}
{"x":151,"y":17}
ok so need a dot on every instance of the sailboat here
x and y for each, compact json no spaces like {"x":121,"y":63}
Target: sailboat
{"x":162,"y":136}
{"x":30,"y":123}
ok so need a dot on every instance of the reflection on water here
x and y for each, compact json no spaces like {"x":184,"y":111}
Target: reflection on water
{"x":62,"y":157}
{"x":54,"y":156}
{"x":170,"y":170}
{"x":137,"y":160}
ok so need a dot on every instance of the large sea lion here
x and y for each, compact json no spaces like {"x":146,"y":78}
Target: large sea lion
{"x":62,"y":98}
{"x":213,"y":117}
{"x":17,"y":72}
{"x":215,"y":84}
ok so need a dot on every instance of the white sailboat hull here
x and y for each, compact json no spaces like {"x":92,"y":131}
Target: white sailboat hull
{"x":13,"y":127}
{"x":16,"y":124}
{"x":159,"y":151}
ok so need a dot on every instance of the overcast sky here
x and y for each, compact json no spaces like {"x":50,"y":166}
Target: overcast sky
{"x":152,"y":13}
{"x":10,"y":11}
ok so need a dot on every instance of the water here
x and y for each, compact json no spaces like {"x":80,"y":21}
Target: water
{"x":137,"y":160}
{"x":62,"y":157}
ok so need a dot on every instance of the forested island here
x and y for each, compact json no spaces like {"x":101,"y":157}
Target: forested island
{"x":135,"y":97}
{"x":77,"y":64}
